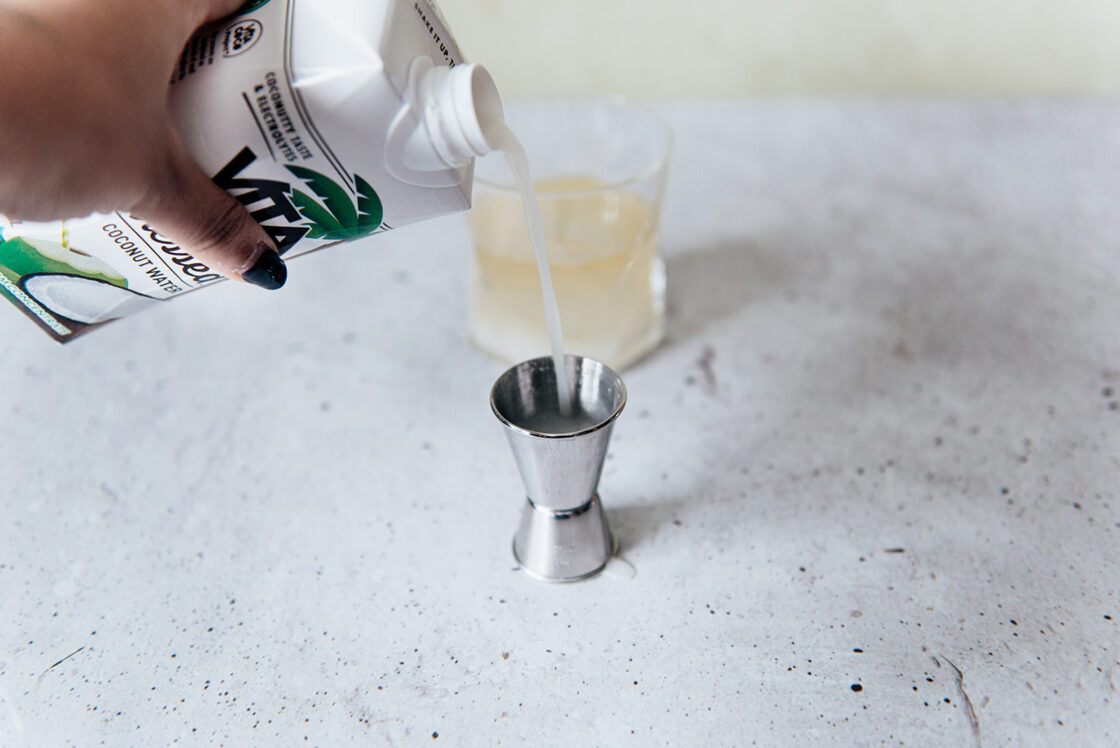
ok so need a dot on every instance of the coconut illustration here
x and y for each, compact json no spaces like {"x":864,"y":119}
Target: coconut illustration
{"x":22,"y":256}
{"x":66,"y":281}
{"x":86,"y":300}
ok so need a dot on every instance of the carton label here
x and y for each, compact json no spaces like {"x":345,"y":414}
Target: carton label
{"x":291,"y":154}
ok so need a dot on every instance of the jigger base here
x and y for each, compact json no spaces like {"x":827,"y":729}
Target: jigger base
{"x":564,"y":546}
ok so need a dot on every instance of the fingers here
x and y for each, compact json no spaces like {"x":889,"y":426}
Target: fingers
{"x":187,"y":207}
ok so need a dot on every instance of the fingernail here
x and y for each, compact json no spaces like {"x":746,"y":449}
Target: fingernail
{"x":269,"y":271}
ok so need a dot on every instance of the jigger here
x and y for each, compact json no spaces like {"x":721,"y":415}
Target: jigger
{"x":564,"y":535}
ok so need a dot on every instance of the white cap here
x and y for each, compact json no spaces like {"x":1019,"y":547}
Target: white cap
{"x":461,"y":104}
{"x":445,"y":122}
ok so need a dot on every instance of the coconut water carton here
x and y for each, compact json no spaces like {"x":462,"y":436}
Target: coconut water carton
{"x":330,"y":120}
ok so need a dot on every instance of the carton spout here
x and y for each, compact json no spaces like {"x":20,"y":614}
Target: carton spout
{"x":446,"y":121}
{"x":478,"y":107}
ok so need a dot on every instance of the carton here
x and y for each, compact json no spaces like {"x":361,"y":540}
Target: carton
{"x":330,"y":120}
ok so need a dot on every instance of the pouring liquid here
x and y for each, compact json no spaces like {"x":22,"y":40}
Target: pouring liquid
{"x":499,"y":135}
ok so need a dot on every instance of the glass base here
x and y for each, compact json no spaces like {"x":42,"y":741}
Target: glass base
{"x":510,"y":346}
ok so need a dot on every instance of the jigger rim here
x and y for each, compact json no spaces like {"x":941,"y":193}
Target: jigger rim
{"x":598,"y":425}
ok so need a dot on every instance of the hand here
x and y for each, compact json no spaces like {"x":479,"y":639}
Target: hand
{"x":85,"y":126}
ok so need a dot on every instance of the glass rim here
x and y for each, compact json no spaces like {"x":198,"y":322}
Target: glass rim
{"x":659,"y":163}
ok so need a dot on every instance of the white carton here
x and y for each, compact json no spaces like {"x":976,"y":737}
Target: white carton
{"x":330,"y":120}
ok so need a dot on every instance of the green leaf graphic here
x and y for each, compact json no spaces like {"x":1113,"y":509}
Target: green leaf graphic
{"x":251,"y":5}
{"x":336,"y":218}
{"x":322,"y":222}
{"x":368,"y":203}
{"x":334,"y":197}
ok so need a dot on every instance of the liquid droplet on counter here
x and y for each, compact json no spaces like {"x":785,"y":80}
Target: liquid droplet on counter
{"x":621,"y":569}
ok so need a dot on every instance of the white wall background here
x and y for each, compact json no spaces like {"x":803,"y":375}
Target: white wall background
{"x":729,"y":48}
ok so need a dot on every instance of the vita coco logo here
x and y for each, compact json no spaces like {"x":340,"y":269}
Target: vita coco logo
{"x":336,"y":218}
{"x":243,"y":34}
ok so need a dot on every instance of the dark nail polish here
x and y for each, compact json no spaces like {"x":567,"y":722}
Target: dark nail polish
{"x":268,"y":272}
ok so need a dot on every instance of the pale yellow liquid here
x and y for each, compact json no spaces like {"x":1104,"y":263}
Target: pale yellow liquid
{"x":605,"y":271}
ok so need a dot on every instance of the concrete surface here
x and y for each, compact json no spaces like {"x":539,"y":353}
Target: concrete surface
{"x":869,"y":484}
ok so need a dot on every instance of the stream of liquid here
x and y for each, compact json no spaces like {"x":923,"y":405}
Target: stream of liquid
{"x":499,"y":134}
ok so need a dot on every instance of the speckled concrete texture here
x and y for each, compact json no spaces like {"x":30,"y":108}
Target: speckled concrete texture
{"x":869,"y":484}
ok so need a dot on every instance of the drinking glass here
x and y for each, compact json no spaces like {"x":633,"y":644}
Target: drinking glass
{"x":599,"y":171}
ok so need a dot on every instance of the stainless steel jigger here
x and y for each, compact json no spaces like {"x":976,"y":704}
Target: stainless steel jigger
{"x":564,"y":534}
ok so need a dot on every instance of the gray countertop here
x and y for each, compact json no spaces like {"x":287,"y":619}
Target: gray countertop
{"x":869,"y":483}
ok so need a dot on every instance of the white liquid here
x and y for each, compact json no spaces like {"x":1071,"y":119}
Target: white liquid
{"x":499,"y":134}
{"x":621,"y":569}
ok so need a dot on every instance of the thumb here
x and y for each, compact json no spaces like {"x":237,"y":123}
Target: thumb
{"x":185,"y":205}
